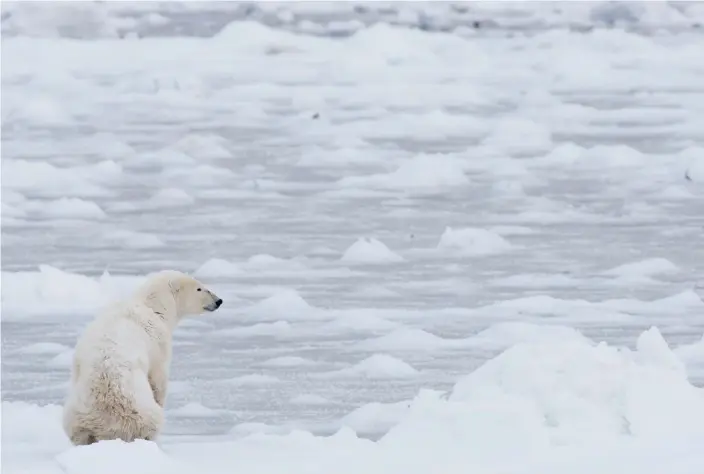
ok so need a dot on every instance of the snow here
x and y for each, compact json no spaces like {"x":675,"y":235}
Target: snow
{"x":450,"y":237}
{"x":473,"y":242}
{"x":370,"y":250}
{"x":171,"y":197}
{"x":378,"y":366}
{"x":193,"y":409}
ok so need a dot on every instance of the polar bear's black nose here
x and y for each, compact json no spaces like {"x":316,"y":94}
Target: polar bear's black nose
{"x":218,"y":303}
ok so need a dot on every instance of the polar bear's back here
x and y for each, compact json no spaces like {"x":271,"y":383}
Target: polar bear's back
{"x":115,"y":338}
{"x":110,"y":396}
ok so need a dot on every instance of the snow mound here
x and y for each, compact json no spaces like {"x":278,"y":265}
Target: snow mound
{"x":118,"y":457}
{"x":369,"y":251}
{"x":612,"y":156}
{"x":407,"y":339}
{"x":194,"y":410}
{"x":422,"y":171}
{"x":517,"y":136}
{"x":165,"y":157}
{"x":266,"y":262}
{"x":37,"y":426}
{"x":377,"y":367}
{"x":504,"y":335}
{"x":66,"y":208}
{"x":44,"y":348}
{"x":62,"y":360}
{"x":42,"y":179}
{"x":644,"y":268}
{"x":170,"y":197}
{"x":260,"y":263}
{"x":691,"y":354}
{"x":54,"y":292}
{"x":375,"y":417}
{"x":285,"y":304}
{"x":585,"y":392}
{"x":563,"y":405}
{"x":198,"y":176}
{"x":471,"y":241}
{"x":203,"y":146}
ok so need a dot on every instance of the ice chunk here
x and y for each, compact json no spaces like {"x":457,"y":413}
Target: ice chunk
{"x":370,"y":251}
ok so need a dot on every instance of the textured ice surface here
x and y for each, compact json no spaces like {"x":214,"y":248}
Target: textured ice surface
{"x":394,"y":201}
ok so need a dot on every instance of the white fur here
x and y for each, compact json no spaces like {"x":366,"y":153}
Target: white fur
{"x":121,"y":363}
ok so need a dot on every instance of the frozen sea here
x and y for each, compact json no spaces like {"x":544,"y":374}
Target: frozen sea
{"x":449,"y":238}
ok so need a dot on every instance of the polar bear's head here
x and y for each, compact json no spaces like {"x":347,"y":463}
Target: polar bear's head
{"x":175,"y":292}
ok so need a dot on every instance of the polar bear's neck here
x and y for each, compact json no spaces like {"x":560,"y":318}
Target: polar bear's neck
{"x":163,"y":304}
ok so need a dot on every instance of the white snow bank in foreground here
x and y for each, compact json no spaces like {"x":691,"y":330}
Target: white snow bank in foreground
{"x":55,"y":292}
{"x":369,"y":250}
{"x":471,"y":241}
{"x":566,"y":405}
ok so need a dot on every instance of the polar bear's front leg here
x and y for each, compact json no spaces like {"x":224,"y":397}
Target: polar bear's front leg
{"x":158,"y":380}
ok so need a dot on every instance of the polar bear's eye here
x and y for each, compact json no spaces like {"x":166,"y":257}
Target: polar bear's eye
{"x":198,"y":289}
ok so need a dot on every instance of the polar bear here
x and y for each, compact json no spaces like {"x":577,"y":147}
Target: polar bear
{"x":121,"y":361}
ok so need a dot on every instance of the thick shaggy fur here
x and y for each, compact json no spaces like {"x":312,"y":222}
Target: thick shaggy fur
{"x":121,"y":361}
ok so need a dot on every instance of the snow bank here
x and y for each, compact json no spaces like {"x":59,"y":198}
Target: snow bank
{"x":407,"y":339}
{"x":519,"y":137}
{"x":564,"y":405}
{"x":369,"y":251}
{"x":170,"y":197}
{"x":193,"y":410}
{"x":118,"y":457}
{"x":256,"y":264}
{"x":587,"y":393}
{"x":375,"y":417}
{"x":643,"y":269}
{"x":42,"y":179}
{"x":57,"y":293}
{"x":62,"y":360}
{"x":44,"y":348}
{"x":284,"y":305}
{"x":203,"y":147}
{"x":378,"y":366}
{"x":471,"y":241}
{"x":65,"y":208}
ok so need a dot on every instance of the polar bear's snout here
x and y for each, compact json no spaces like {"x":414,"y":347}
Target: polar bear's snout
{"x":215,"y":302}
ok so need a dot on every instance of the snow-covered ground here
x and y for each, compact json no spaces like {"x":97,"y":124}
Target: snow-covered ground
{"x":449,"y":239}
